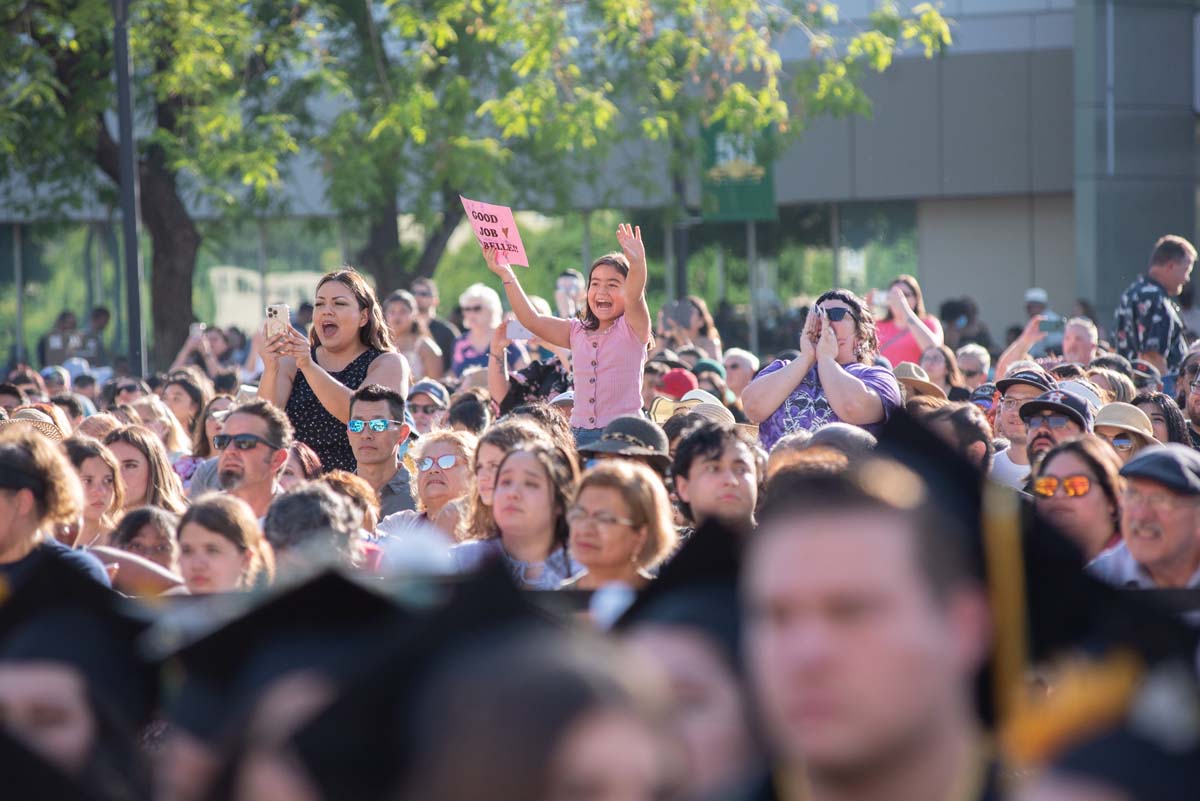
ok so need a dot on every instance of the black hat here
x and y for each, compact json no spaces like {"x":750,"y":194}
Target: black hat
{"x":983,"y":395}
{"x":670,"y":358}
{"x":1033,"y":378}
{"x":57,"y":614}
{"x":357,"y":746}
{"x":1175,"y":466}
{"x":631,"y":435}
{"x":697,"y":589}
{"x":318,"y":625}
{"x":1059,"y":400}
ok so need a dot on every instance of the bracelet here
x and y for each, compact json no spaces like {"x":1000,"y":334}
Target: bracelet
{"x":495,"y":355}
{"x":506,"y":283}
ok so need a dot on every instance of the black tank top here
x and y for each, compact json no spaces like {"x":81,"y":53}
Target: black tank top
{"x":312,"y":422}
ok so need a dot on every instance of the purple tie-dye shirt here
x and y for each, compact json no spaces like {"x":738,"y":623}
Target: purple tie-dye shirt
{"x":806,"y":409}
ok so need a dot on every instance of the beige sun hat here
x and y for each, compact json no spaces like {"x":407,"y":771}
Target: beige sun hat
{"x":38,"y":420}
{"x":916,"y":380}
{"x":698,"y":401}
{"x":1126,"y":417}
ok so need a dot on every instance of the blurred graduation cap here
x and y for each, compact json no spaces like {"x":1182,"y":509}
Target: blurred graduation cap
{"x":28,"y":775}
{"x":1044,"y":608}
{"x":698,"y":589}
{"x":357,"y":747}
{"x":322,"y":624}
{"x":56,"y":614}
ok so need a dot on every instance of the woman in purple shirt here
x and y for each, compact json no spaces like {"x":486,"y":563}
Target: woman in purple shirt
{"x":833,"y":380}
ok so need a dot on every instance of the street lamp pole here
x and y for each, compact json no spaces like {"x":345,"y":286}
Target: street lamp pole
{"x":129,"y":190}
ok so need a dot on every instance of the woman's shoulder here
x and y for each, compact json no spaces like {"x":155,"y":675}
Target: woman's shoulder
{"x":470,"y":554}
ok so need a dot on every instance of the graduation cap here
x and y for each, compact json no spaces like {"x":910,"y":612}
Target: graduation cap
{"x":697,"y":589}
{"x":56,"y":614}
{"x":322,"y":624}
{"x":357,"y":747}
{"x":28,"y":775}
{"x":1044,"y":605}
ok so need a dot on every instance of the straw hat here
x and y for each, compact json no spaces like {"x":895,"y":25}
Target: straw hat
{"x":916,"y":380}
{"x":41,"y":421}
{"x":702,"y":403}
{"x":1126,"y":417}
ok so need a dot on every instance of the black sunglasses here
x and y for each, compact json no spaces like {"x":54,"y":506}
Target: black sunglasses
{"x":128,"y":388}
{"x":429,"y":409}
{"x":836,"y":313}
{"x":241,"y":442}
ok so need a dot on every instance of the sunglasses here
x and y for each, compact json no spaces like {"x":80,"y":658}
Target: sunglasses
{"x":1050,"y":421}
{"x":444,"y":462}
{"x":972,"y":373}
{"x":1072,"y":486}
{"x":472,"y":308}
{"x":836,"y":313}
{"x":128,"y":388}
{"x":378,"y":424}
{"x":429,"y":409}
{"x":1120,"y":443}
{"x":242,"y":442}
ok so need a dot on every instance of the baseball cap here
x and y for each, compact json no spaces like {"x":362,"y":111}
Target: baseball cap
{"x":678,"y":382}
{"x":1036,"y":295}
{"x":1058,"y":400}
{"x":1032,"y":378}
{"x":983,"y":394}
{"x":433,"y":389}
{"x":1175,"y":466}
{"x":709,"y":366}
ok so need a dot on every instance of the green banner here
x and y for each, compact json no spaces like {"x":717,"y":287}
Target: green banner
{"x":737,"y":181}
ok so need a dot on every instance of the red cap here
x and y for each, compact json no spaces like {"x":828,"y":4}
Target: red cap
{"x":678,"y":382}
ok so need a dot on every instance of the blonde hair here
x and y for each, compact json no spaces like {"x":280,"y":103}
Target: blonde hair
{"x":463,"y":441}
{"x":154,"y":409}
{"x":486,"y":296}
{"x":649,"y":505}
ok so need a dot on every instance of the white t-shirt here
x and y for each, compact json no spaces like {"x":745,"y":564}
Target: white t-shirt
{"x":1005,"y":471}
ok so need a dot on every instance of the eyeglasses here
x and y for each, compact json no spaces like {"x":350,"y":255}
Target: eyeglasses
{"x":378,"y":424}
{"x":1048,"y":420}
{"x":1014,"y":404}
{"x":128,"y":388}
{"x":429,"y":409}
{"x":148,"y":550}
{"x":1120,"y":442}
{"x":1072,"y":486}
{"x":972,"y":373}
{"x":444,"y":462}
{"x":472,"y":308}
{"x":577,"y":515}
{"x":242,"y":442}
{"x":1158,"y":502}
{"x":836,"y":313}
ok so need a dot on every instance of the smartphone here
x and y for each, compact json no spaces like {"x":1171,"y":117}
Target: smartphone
{"x":680,"y":313}
{"x":1054,"y":325}
{"x":517,"y":332}
{"x":196,"y":330}
{"x":278,"y":319}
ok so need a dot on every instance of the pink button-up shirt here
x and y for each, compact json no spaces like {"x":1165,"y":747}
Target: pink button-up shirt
{"x":608,"y":373}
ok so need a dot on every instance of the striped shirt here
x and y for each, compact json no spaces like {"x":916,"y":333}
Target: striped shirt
{"x":608,"y":373}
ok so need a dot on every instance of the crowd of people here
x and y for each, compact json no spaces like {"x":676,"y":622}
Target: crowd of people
{"x":580,"y":550}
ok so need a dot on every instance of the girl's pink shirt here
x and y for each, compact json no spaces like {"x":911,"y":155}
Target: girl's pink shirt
{"x":608,"y":373}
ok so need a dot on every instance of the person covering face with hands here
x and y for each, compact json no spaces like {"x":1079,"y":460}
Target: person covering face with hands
{"x":833,"y":380}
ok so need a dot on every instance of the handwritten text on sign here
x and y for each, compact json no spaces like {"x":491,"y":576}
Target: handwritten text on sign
{"x":495,"y":228}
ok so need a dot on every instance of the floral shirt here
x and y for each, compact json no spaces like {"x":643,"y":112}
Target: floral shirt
{"x":1147,"y":321}
{"x":807,"y":408}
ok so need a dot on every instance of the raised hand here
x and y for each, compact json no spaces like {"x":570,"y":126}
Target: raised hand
{"x":497,"y":262}
{"x":808,"y":337}
{"x":898,"y":303}
{"x":629,"y":237}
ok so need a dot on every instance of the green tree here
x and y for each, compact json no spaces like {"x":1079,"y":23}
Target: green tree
{"x":209,"y":76}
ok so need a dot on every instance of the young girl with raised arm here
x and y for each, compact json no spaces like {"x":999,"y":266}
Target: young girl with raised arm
{"x":608,"y":340}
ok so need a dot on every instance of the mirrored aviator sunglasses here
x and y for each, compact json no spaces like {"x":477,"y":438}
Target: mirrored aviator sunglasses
{"x":1072,"y":486}
{"x":444,"y":462}
{"x":379,"y":424}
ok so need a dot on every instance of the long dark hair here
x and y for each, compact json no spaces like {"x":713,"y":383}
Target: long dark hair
{"x":618,"y":262}
{"x":201,"y":446}
{"x":375,"y":333}
{"x":1177,"y":427}
{"x":866,"y":346}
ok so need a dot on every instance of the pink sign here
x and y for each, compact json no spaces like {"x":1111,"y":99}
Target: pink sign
{"x":495,"y":228}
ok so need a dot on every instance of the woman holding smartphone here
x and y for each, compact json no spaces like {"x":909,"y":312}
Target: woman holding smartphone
{"x":313,"y":378}
{"x":833,"y":380}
